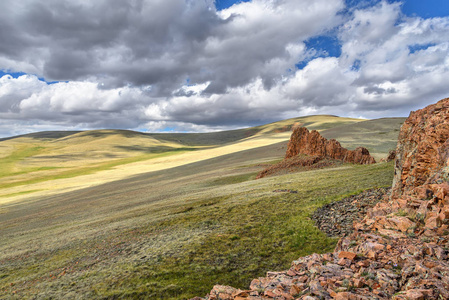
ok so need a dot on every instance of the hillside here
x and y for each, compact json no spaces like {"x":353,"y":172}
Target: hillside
{"x":160,"y":218}
{"x":40,"y":163}
{"x":378,"y":136}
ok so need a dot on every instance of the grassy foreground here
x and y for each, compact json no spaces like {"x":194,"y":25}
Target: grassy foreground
{"x":228,"y":231}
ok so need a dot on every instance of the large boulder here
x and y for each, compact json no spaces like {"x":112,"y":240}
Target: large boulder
{"x":420,"y":190}
{"x":312,"y":143}
{"x":422,"y":164}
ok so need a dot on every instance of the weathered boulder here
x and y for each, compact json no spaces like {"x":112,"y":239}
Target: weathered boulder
{"x":422,"y":162}
{"x":421,"y":182}
{"x":312,"y":143}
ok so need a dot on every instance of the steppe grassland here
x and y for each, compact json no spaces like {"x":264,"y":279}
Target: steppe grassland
{"x":174,"y":233}
{"x":44,"y":166}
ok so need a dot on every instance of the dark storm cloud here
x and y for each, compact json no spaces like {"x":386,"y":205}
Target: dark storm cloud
{"x":150,"y":42}
{"x":86,"y":39}
{"x":378,"y":91}
{"x":183,"y":64}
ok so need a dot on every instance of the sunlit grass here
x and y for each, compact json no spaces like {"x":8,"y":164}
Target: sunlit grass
{"x":85,"y":170}
{"x":9,"y":163}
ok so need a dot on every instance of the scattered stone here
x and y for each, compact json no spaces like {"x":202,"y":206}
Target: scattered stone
{"x":400,"y":249}
{"x":337,"y":218}
{"x":348,"y":255}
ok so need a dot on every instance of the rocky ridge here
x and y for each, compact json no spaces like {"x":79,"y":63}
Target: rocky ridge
{"x":419,"y":203}
{"x":309,"y":150}
{"x":399,"y":250}
{"x":312,"y":143}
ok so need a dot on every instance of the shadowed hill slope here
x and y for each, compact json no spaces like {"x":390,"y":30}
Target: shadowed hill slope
{"x":46,"y":156}
{"x":42,"y":135}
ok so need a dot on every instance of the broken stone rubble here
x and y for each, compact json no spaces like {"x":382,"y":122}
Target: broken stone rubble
{"x":400,"y":249}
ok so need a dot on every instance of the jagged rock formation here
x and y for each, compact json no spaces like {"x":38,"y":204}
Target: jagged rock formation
{"x":391,"y":156}
{"x":312,"y":143}
{"x":423,"y":153}
{"x":400,"y":249}
{"x":309,"y":150}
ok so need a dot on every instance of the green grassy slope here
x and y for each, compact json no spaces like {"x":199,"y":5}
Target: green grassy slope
{"x":171,"y":234}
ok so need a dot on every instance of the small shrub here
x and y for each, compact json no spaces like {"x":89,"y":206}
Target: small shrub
{"x":401,"y":213}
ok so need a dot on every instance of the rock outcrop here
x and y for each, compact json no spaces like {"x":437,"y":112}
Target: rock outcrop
{"x":420,"y":192}
{"x":309,"y":150}
{"x":400,"y":249}
{"x":391,"y":156}
{"x":423,"y":153}
{"x":312,"y":143}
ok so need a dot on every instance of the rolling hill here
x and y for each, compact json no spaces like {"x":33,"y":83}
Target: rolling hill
{"x":107,"y":214}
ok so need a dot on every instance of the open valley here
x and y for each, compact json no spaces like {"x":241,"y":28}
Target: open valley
{"x":167,"y":219}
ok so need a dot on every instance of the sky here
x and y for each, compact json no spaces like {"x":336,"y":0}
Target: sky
{"x":205,"y":65}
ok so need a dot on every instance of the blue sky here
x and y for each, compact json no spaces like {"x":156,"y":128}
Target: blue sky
{"x":328,"y":45}
{"x":186,"y":65}
{"x":427,"y":8}
{"x":222,"y":4}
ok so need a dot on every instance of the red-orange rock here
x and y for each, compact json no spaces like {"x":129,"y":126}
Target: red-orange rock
{"x":422,"y":154}
{"x":415,"y":295}
{"x":312,"y":143}
{"x":346,"y":254}
{"x":400,"y":223}
{"x":395,"y":265}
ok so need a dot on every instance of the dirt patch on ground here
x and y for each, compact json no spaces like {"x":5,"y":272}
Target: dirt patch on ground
{"x":299,"y":163}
